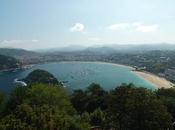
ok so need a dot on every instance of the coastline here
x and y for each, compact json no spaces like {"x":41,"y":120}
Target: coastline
{"x":101,"y":62}
{"x":10,"y":69}
{"x":157,"y":81}
{"x":16,"y":69}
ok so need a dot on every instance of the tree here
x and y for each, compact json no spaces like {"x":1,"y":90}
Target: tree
{"x":1,"y":97}
{"x":1,"y":103}
{"x":91,"y":99}
{"x":16,"y":98}
{"x":79,"y":100}
{"x":168,"y":98}
{"x":137,"y":109}
{"x":96,"y":98}
{"x":98,"y":118}
{"x":41,"y":76}
{"x":42,"y":107}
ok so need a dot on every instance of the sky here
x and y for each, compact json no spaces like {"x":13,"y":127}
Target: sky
{"x":38,"y":24}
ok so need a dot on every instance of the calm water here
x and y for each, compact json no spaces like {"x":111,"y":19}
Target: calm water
{"x":79,"y":75}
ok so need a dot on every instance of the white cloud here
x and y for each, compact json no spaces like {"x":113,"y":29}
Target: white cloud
{"x":136,"y":26}
{"x":78,"y":27}
{"x":147,"y":28}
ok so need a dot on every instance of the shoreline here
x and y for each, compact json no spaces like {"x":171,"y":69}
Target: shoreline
{"x":16,"y":69}
{"x":101,"y":62}
{"x":9,"y":70}
{"x":157,"y":81}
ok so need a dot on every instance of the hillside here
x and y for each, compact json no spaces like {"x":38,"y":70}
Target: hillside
{"x":24,"y":56}
{"x":16,"y":52}
{"x":41,"y":76}
{"x":7,"y":63}
{"x":45,"y":107}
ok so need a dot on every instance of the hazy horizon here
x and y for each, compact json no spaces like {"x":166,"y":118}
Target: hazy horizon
{"x":60,"y":23}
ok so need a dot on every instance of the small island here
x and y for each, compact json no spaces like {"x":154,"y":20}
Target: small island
{"x":41,"y":76}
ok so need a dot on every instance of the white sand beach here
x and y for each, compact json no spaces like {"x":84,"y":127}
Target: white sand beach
{"x":159,"y":82}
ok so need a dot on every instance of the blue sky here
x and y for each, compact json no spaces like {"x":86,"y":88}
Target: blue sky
{"x":33,"y":24}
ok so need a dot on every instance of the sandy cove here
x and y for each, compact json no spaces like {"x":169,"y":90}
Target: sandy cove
{"x":159,"y":82}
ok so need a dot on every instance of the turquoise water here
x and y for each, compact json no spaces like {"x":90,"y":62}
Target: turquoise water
{"x":79,"y":75}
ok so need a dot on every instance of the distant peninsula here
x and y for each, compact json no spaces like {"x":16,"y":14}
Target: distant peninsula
{"x":8,"y":63}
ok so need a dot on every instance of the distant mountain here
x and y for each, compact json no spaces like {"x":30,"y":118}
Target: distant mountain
{"x":8,"y":63}
{"x":16,"y":52}
{"x":131,"y":48}
{"x":75,"y":52}
{"x":143,"y":47}
{"x":112,"y":48}
{"x":72,"y":48}
{"x":24,"y":56}
{"x":101,"y":50}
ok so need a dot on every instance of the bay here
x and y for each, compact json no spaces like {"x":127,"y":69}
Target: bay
{"x":79,"y":75}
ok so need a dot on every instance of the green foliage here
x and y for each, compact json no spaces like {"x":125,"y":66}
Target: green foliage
{"x":98,"y":118}
{"x":168,"y":98}
{"x":126,"y":107}
{"x":137,"y":108}
{"x":1,"y":97}
{"x":91,"y":99}
{"x":16,"y":98}
{"x":48,"y":107}
{"x":41,"y":76}
{"x":7,"y":63}
{"x":41,"y":107}
{"x":1,"y":103}
{"x":79,"y":99}
{"x":56,"y":96}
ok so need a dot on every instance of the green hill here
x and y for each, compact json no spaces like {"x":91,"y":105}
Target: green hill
{"x":8,"y":63}
{"x":16,"y":52}
{"x":24,"y":56}
{"x":41,"y":76}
